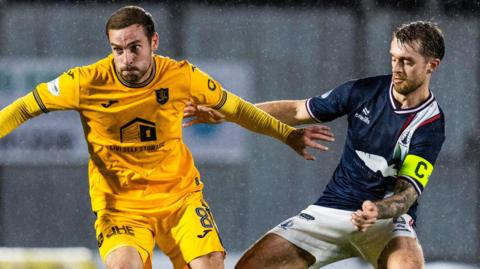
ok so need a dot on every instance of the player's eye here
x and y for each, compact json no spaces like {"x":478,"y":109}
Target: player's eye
{"x":118,"y":50}
{"x":135,"y":48}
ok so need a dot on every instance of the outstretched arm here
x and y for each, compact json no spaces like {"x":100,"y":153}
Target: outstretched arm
{"x":237,"y":110}
{"x":291,"y":112}
{"x":59,"y":94}
{"x":247,"y":115}
{"x":17,"y":113}
{"x":403,"y":198}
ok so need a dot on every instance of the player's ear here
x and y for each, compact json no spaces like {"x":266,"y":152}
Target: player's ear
{"x":432,"y":65}
{"x":154,"y":42}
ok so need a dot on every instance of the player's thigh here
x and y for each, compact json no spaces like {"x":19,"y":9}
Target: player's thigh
{"x":402,"y":253}
{"x":380,"y":241}
{"x":191,"y":233}
{"x":209,"y":261}
{"x":124,"y":239}
{"x":273,"y":251}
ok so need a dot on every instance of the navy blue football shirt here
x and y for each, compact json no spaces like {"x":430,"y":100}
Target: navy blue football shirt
{"x":383,"y":141}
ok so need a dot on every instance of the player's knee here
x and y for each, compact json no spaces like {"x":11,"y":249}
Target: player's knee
{"x":124,"y":258}
{"x":124,"y":265}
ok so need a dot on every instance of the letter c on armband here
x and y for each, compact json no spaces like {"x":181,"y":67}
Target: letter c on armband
{"x":417,"y":170}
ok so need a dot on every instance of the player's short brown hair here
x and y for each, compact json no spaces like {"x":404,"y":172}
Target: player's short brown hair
{"x":130,"y":15}
{"x":428,"y":34}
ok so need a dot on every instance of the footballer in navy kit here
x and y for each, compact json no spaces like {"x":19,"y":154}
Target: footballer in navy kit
{"x":395,"y":133}
{"x":383,"y":141}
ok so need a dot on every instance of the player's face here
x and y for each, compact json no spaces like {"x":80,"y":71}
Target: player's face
{"x":132,"y":52}
{"x":409,"y":67}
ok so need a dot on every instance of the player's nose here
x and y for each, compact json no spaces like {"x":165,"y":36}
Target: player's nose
{"x":397,"y":67}
{"x":127,"y":58}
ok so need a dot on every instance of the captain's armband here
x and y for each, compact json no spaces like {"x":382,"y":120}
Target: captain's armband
{"x":417,"y":171}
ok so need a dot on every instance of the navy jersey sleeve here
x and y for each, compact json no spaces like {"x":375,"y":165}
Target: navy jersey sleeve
{"x":332,"y":104}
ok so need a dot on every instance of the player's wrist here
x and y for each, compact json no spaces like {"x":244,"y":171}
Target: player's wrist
{"x":289,"y":134}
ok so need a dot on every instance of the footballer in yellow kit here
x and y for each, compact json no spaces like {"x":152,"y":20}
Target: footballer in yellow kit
{"x":139,"y":163}
{"x":144,"y":186}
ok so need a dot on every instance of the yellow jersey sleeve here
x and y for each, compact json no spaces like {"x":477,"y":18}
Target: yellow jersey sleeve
{"x":204,"y":89}
{"x":249,"y":116}
{"x":61,"y":93}
{"x":18,"y":112}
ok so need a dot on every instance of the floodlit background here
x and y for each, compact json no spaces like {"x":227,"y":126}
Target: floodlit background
{"x":261,"y":50}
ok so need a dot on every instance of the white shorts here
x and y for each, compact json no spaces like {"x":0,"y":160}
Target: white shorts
{"x":329,"y":235}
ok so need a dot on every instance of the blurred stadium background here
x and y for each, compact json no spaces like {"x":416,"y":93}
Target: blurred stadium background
{"x":261,"y":50}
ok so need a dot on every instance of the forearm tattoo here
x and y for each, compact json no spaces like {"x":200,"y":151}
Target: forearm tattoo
{"x":398,"y":204}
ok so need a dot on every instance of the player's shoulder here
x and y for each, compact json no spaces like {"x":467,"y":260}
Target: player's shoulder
{"x":439,"y":108}
{"x":165,"y":63}
{"x":432,"y":120}
{"x":436,"y":120}
{"x":101,"y":65}
{"x":100,"y":69}
{"x":362,"y":89}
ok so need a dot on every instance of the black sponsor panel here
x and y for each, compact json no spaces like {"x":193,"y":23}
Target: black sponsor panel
{"x":138,"y":130}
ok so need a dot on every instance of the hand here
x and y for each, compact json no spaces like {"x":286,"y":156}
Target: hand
{"x":201,"y":114}
{"x":302,"y":138}
{"x":363,"y":219}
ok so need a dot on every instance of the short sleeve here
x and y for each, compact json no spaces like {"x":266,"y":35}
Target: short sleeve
{"x":204,"y":89}
{"x":61,"y":93}
{"x":332,"y":104}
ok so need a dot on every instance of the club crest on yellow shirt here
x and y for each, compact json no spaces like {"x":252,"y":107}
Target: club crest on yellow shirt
{"x":162,"y":95}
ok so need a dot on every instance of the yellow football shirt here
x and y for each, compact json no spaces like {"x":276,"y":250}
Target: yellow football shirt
{"x":137,"y":156}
